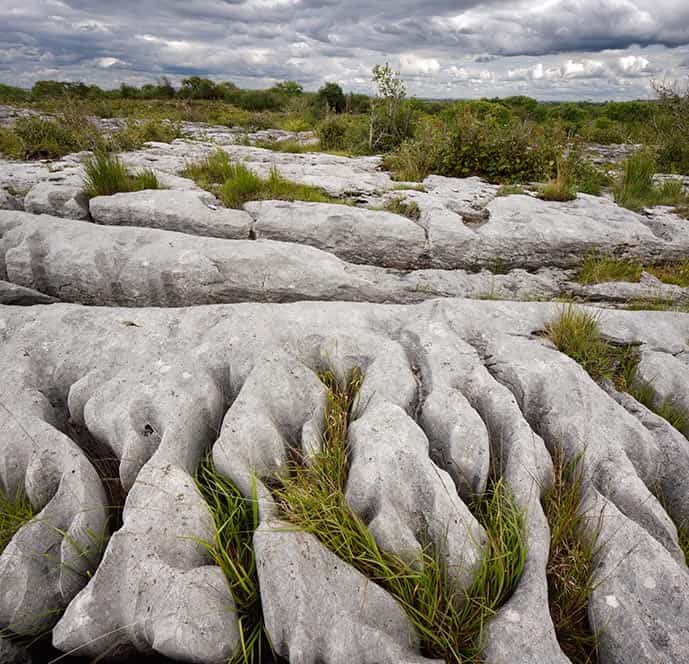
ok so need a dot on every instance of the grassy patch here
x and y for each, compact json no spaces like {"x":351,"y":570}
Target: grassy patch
{"x":398,"y":205}
{"x":570,"y":564}
{"x":667,"y":408}
{"x":236,"y":519}
{"x":14,"y":513}
{"x":107,"y":175}
{"x":450,"y":625}
{"x":561,"y":188}
{"x":289,"y":146}
{"x":511,"y":190}
{"x":575,"y":332}
{"x":235,"y":184}
{"x":636,"y":189}
{"x":598,"y":269}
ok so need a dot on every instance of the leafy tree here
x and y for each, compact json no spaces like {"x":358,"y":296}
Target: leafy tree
{"x":196,"y":87}
{"x":290,"y":88}
{"x":331,"y":97}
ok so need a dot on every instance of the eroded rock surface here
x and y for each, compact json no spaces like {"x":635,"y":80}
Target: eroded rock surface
{"x":151,"y":384}
{"x":457,"y":394}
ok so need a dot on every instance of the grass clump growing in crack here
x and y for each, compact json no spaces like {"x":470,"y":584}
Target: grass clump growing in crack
{"x":409,"y":209}
{"x":561,"y":188}
{"x":512,"y":190}
{"x":107,"y":175}
{"x":598,"y":269}
{"x":576,"y":333}
{"x":235,"y":184}
{"x":570,"y":564}
{"x":450,"y":624}
{"x":15,"y":511}
{"x":236,"y":519}
{"x":637,"y":190}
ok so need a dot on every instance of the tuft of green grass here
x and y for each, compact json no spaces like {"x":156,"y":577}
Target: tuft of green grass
{"x":289,"y":146}
{"x":14,"y":513}
{"x":561,"y":188}
{"x":107,"y":175}
{"x":683,"y":536}
{"x":576,"y":333}
{"x":570,"y":563}
{"x":450,"y":624}
{"x":410,"y":187}
{"x":636,"y":189}
{"x":235,"y":184}
{"x":236,"y":519}
{"x":667,"y":408}
{"x":398,"y":205}
{"x":598,"y":269}
{"x":511,"y":190}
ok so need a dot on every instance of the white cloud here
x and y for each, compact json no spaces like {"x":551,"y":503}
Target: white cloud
{"x":414,"y":65}
{"x":106,"y":63}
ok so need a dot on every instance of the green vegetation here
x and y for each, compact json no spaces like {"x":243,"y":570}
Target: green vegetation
{"x":14,"y":513}
{"x":106,"y":175}
{"x":672,"y":122}
{"x":511,"y":190}
{"x":570,"y":563}
{"x":70,"y":130}
{"x":236,"y":519}
{"x":576,"y":333}
{"x":398,"y":205}
{"x":599,"y":269}
{"x":450,"y":624}
{"x":668,"y":408}
{"x":466,"y":141}
{"x":561,"y":188}
{"x":636,"y":189}
{"x":235,"y":184}
{"x":683,"y":536}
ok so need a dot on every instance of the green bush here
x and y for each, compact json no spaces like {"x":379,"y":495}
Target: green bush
{"x":465,"y":145}
{"x":107,"y":175}
{"x":332,"y":133}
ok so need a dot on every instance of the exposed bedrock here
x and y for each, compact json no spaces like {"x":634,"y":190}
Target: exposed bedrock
{"x":50,"y":557}
{"x":156,"y":589}
{"x":640,"y":598}
{"x":159,"y":386}
{"x":317,"y":608}
{"x":77,"y":261}
{"x":193,"y":212}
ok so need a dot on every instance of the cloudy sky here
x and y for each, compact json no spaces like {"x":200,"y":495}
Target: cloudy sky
{"x":550,"y":49}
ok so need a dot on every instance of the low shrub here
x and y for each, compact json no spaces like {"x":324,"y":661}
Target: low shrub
{"x":332,"y":133}
{"x":498,"y":150}
{"x":137,"y":133}
{"x":35,"y":137}
{"x":107,"y":175}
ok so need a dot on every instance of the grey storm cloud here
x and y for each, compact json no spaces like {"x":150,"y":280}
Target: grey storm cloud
{"x":444,"y":48}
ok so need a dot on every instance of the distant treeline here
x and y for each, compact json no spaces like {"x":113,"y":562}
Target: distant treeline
{"x":282,"y":97}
